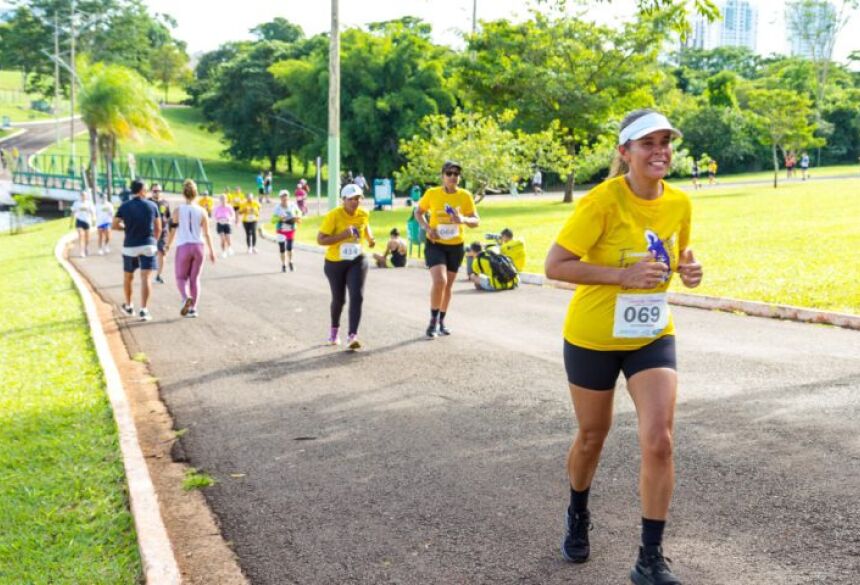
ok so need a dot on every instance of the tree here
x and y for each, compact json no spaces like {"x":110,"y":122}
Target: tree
{"x":724,"y":133}
{"x":168,"y":64}
{"x":782,"y":118}
{"x":279,"y":29}
{"x":494,"y":157}
{"x":581,"y":74}
{"x":721,"y":90}
{"x":242,"y":102}
{"x":112,"y":31}
{"x":115,"y":104}
{"x":207,"y":70}
{"x":392,"y":76}
{"x":24,"y":205}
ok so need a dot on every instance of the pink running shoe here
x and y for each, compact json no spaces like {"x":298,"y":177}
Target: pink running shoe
{"x":333,"y":337}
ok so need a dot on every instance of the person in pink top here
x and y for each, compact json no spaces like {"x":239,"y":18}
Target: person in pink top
{"x":224,"y":216}
{"x":302,"y":192}
{"x":191,"y":232}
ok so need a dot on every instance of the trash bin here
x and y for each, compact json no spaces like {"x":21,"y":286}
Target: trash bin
{"x":382,"y":193}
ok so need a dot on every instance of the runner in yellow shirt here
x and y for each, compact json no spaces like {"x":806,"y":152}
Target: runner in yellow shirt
{"x":449,"y":208}
{"x":250,"y":212}
{"x":343,"y":230}
{"x":621,"y":246}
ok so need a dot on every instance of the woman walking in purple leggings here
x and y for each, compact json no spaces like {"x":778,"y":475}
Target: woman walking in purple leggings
{"x":191,"y":232}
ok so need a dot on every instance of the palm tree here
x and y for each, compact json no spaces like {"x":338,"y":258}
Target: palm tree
{"x":115,"y":104}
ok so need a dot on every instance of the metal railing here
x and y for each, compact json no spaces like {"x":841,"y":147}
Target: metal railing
{"x":60,"y":171}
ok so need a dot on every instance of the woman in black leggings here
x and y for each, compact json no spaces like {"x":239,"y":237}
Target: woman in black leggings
{"x":343,"y":230}
{"x":250,"y":212}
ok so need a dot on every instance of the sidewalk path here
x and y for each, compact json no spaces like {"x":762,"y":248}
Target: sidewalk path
{"x":418,"y":461}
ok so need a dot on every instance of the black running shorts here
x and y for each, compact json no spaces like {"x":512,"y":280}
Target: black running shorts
{"x":451,"y":255}
{"x":598,"y":370}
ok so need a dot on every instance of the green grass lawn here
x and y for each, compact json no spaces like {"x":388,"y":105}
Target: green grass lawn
{"x":190,"y":140}
{"x":791,"y":245}
{"x":16,"y":104}
{"x":64,"y":515}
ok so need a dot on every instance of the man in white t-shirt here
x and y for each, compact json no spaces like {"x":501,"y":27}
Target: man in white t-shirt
{"x":537,"y":182}
{"x":84,"y":215}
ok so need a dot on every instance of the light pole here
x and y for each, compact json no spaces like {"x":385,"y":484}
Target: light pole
{"x":334,"y":109}
{"x":72,"y":86}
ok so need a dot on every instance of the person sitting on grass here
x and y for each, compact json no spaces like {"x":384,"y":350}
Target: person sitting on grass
{"x":396,"y":247}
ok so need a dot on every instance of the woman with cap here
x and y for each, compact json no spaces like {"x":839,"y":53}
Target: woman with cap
{"x":442,"y":212}
{"x":343,"y":230}
{"x":286,"y":217}
{"x":621,"y":245}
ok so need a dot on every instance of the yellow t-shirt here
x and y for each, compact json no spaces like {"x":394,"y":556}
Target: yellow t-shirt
{"x":434,"y":201}
{"x":250,"y":211}
{"x":337,"y":220}
{"x":611,"y":226}
{"x":516,"y":251}
{"x":207,"y":203}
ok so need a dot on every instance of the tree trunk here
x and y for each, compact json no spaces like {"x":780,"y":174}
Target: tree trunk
{"x":108,"y":167}
{"x":568,"y":188}
{"x":305,"y":164}
{"x":480,"y":194}
{"x":290,"y":160}
{"x":92,"y":172}
{"x":273,"y":162}
{"x":571,"y":179}
{"x":775,"y":167}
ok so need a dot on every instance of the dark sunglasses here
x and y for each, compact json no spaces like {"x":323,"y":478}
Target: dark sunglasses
{"x":452,"y":173}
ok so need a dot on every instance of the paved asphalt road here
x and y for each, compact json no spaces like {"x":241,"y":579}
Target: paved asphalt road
{"x":417,"y":461}
{"x":39,"y":135}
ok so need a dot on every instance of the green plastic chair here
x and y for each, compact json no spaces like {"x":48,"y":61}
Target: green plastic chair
{"x":417,"y":236}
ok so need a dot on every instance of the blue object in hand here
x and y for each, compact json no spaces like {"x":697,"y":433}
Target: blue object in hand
{"x":450,"y":210}
{"x":656,"y":247}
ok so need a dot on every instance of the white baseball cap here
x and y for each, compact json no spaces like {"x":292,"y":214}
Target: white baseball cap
{"x":350,"y":191}
{"x":651,"y":122}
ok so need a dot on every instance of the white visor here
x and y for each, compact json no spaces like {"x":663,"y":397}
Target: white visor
{"x":645,"y":125}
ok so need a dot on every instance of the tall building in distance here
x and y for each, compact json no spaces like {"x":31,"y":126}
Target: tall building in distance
{"x":737,"y":28}
{"x":809,"y":30}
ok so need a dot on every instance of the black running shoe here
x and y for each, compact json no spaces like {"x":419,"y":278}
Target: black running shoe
{"x":158,"y":279}
{"x":444,"y":330}
{"x":292,"y":268}
{"x":574,"y":547}
{"x":283,"y":268}
{"x":432,"y":330}
{"x":652,"y":568}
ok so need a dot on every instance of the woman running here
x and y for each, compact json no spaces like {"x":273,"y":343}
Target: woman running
{"x":85,"y":217}
{"x":250,"y":212}
{"x":620,"y":246}
{"x":105,"y":214}
{"x":191,"y":232}
{"x":449,"y":208}
{"x":287,"y":217}
{"x":343,"y":229}
{"x":224,"y":217}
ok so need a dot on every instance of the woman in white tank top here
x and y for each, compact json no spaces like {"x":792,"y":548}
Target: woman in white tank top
{"x":191,"y":232}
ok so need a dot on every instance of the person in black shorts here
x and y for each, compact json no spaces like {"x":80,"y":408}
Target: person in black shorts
{"x":396,"y":248}
{"x":140,"y":220}
{"x":443,"y":212}
{"x":166,"y":225}
{"x":621,"y":246}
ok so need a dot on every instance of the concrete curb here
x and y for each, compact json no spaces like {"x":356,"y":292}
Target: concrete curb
{"x":156,"y":551}
{"x":751,"y":308}
{"x":13,"y":135}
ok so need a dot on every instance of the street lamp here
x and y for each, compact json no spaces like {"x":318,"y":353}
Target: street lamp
{"x":334,"y":109}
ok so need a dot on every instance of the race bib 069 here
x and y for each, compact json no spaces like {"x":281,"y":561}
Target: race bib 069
{"x":644,"y":315}
{"x":350,"y":251}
